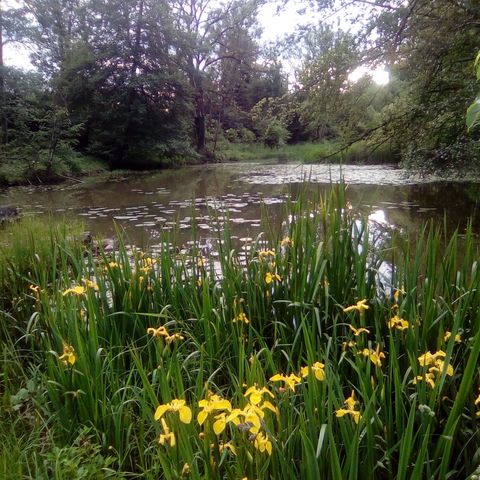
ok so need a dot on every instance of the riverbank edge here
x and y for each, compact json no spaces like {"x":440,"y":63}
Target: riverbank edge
{"x":327,"y":151}
{"x":81,"y":166}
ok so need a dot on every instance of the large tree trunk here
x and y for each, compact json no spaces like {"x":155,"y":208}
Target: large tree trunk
{"x":200,"y":131}
{"x":199,"y":112}
{"x":4,"y":127}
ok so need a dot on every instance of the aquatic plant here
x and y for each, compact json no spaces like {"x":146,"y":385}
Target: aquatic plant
{"x":181,"y":368}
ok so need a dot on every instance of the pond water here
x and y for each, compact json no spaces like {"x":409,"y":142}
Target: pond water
{"x":147,"y":204}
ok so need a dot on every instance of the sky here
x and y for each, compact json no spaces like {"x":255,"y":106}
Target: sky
{"x":277,"y":24}
{"x":274,"y":24}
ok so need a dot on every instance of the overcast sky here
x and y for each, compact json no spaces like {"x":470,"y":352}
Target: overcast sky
{"x":274,"y":24}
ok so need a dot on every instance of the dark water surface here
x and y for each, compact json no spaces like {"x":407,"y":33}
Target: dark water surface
{"x":147,"y":204}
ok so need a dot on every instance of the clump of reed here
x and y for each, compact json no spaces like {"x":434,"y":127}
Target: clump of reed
{"x":296,"y":360}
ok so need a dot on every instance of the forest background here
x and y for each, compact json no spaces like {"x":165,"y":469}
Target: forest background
{"x":145,"y":84}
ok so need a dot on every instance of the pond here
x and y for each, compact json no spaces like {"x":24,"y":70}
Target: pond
{"x":147,"y":204}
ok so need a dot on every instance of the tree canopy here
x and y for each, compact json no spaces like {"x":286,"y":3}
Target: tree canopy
{"x":141,"y":83}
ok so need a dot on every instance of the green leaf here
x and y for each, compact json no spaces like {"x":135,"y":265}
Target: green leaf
{"x":473,"y":114}
{"x":477,"y":65}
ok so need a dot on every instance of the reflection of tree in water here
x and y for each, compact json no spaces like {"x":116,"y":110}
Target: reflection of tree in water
{"x":405,"y":206}
{"x":380,"y":234}
{"x":454,"y":202}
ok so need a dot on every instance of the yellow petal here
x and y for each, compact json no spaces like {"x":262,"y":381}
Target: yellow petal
{"x":319,"y":374}
{"x":222,"y":405}
{"x":161,"y":409}
{"x":185,"y":414}
{"x":269,"y":447}
{"x":268,"y":405}
{"x":201,"y":417}
{"x":255,"y":398}
{"x":233,"y":416}
{"x":219,"y":425}
{"x":356,"y":416}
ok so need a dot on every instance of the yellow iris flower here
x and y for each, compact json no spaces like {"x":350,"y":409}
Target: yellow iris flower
{"x":241,"y":317}
{"x":163,"y":332}
{"x":447,"y":335}
{"x":90,"y":284}
{"x":286,"y":241}
{"x":350,"y":403}
{"x":158,"y":332}
{"x":289,"y":381}
{"x":227,"y":446}
{"x":318,"y":369}
{"x":263,"y":254}
{"x":358,"y":331}
{"x":398,"y":323}
{"x":262,"y":443}
{"x":68,"y":356}
{"x":176,"y":405}
{"x":35,"y":289}
{"x":436,"y":363}
{"x":213,"y":403}
{"x":167,"y":437}
{"x":270,"y":277}
{"x":375,"y":356}
{"x":360,"y":306}
{"x":78,"y":290}
{"x":255,"y":395}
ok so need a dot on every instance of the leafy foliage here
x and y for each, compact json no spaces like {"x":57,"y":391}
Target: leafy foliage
{"x":427,"y":48}
{"x":144,"y":83}
{"x":39,"y":137}
{"x":473,"y":111}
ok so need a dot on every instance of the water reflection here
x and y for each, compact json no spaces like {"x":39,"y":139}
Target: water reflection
{"x":146,"y":205}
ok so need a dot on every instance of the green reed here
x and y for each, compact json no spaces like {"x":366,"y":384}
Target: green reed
{"x":291,"y":383}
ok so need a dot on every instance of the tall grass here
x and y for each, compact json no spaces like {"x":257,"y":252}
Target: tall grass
{"x":291,"y":383}
{"x":22,"y":171}
{"x":326,"y":151}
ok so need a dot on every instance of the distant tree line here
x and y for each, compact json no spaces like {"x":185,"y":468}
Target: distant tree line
{"x":142,"y":83}
{"x":134,"y":82}
{"x":429,"y":49}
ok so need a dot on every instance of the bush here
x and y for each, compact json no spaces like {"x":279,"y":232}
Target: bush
{"x":275,"y":134}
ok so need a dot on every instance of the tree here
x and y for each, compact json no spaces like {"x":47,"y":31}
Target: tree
{"x":202,"y":33}
{"x":269,"y":117}
{"x":427,"y":47}
{"x":230,"y":101}
{"x":41,"y":136}
{"x":329,"y":58}
{"x":109,"y":65}
{"x":12,"y":29}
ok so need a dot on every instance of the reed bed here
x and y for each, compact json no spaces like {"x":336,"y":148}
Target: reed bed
{"x":298,"y":360}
